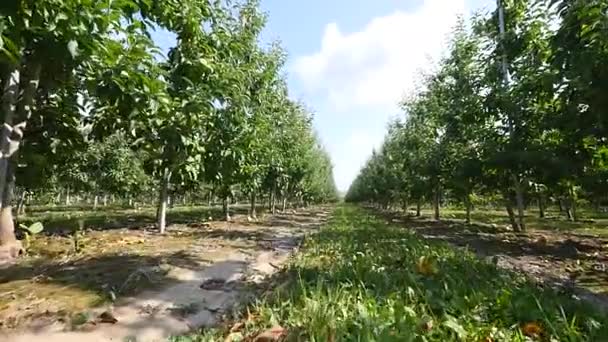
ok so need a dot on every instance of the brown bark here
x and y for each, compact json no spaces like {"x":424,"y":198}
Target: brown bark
{"x":418,"y":205}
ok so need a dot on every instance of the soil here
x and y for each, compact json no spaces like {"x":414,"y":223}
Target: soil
{"x":139,"y":285}
{"x":574,"y":263}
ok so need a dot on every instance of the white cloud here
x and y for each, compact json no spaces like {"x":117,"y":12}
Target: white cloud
{"x":364,"y":75}
{"x":377,"y":65}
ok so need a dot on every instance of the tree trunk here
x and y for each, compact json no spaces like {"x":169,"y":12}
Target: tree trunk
{"x":436,"y":203}
{"x":252,"y":209}
{"x":561,"y":206}
{"x":67,"y":196}
{"x":512,"y":219}
{"x":541,"y":206}
{"x":572,"y":195}
{"x":9,"y":246}
{"x":273,"y":200}
{"x":21,"y":204}
{"x":226,"y":208}
{"x":519,"y":200}
{"x":95,"y":202}
{"x":162,"y":205}
{"x":418,"y":208}
{"x":10,"y":139}
{"x":468,"y":207}
{"x":404,"y":207}
{"x":9,"y":100}
{"x":568,"y":210}
{"x":284,"y":205}
{"x":105,"y":200}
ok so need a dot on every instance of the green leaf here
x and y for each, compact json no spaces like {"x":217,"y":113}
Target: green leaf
{"x":33,"y":229}
{"x":453,"y":325}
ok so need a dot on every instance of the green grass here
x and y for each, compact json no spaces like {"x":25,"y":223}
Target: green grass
{"x":360,"y":279}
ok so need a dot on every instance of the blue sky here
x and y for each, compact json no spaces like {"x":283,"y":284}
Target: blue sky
{"x":353,"y":60}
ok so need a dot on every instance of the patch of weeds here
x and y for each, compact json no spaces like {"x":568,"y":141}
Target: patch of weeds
{"x":360,"y":279}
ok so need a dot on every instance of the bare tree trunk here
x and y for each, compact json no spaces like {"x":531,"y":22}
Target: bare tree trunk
{"x":572,"y":195}
{"x":162,"y":205}
{"x":9,"y":100}
{"x":284,"y":205}
{"x":105,"y":200}
{"x":226,"y":208}
{"x":95,"y":202}
{"x":10,"y":139}
{"x":418,"y":205}
{"x":561,"y":205}
{"x":568,"y":210}
{"x":541,"y":206}
{"x":21,"y":204}
{"x":436,"y":203}
{"x":252,"y":209}
{"x":519,"y":200}
{"x":67,"y":196}
{"x":273,"y":200}
{"x":512,"y":219}
{"x":468,"y":207}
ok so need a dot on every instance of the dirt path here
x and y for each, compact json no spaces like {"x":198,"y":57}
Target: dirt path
{"x":242,"y":254}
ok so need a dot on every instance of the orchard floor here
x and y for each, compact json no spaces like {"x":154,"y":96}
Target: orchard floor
{"x":135,"y":284}
{"x":368,"y":277}
{"x":553,"y":250}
